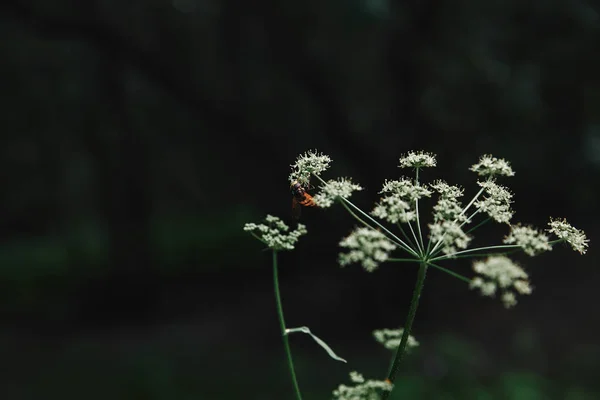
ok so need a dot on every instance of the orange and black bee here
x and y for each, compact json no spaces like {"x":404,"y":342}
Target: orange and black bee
{"x":300,"y":198}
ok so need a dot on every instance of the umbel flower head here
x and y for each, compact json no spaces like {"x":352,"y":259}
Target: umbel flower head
{"x":390,"y":338}
{"x":497,"y":201}
{"x":362,"y":389}
{"x":499,"y":273}
{"x":531,"y":240}
{"x":275,"y":233}
{"x":367,"y":246}
{"x":417,"y":159}
{"x":399,"y":203}
{"x":335,"y":189}
{"x":489,"y":166}
{"x":308,"y":164}
{"x":575,"y":237}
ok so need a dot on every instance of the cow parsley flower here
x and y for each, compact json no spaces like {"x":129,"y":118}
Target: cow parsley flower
{"x":308,"y":164}
{"x":417,"y":159}
{"x":406,"y":189}
{"x":497,"y":202}
{"x":275,"y":233}
{"x":393,"y":209}
{"x":334,"y":189}
{"x":450,"y":235}
{"x":367,"y":246}
{"x":448,"y":207}
{"x":499,"y":273}
{"x":491,"y":166}
{"x":362,"y":389}
{"x":575,"y":237}
{"x":531,"y":240}
{"x":390,"y":338}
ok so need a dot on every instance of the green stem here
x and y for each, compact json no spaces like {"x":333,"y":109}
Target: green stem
{"x":414,"y":303}
{"x":421,"y":247}
{"x":450,"y":272}
{"x":458,"y":253}
{"x":286,"y":343}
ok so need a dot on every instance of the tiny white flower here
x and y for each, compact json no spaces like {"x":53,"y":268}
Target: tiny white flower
{"x":390,"y":338}
{"x":367,"y":246}
{"x":491,"y":166}
{"x":450,"y":234}
{"x":497,"y":202}
{"x":500,"y":273}
{"x":531,"y":240}
{"x":275,"y":233}
{"x":356,"y":377}
{"x":308,"y":164}
{"x":575,"y":237}
{"x":362,"y":389}
{"x":417,"y":159}
{"x":509,"y":299}
{"x":334,"y":189}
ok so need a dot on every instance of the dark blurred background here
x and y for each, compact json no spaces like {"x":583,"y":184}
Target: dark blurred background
{"x":138,"y":137}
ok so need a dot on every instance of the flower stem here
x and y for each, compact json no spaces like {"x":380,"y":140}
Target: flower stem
{"x":414,"y":303}
{"x":286,"y":343}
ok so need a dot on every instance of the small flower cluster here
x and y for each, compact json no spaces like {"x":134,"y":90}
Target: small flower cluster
{"x":500,"y":273}
{"x":308,"y":164}
{"x":275,"y":233}
{"x":367,"y":246}
{"x":390,"y":338}
{"x":362,"y":390}
{"x":399,"y":204}
{"x":491,"y":166}
{"x":531,"y":240}
{"x":335,"y":189}
{"x":418,"y":159}
{"x":497,"y":202}
{"x":448,"y":217}
{"x":575,"y":237}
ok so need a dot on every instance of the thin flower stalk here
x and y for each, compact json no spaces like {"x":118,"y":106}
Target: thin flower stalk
{"x":282,"y":326}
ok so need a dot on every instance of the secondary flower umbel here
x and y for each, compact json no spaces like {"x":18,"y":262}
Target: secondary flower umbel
{"x":335,"y":189}
{"x":362,"y":389}
{"x":308,"y":164}
{"x":575,"y":237}
{"x":367,"y":246}
{"x":500,"y":273}
{"x":417,"y":159}
{"x":531,"y":240}
{"x":275,"y":233}
{"x":390,"y":338}
{"x":491,"y":166}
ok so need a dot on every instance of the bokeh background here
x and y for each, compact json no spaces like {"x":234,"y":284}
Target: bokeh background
{"x":138,"y":137}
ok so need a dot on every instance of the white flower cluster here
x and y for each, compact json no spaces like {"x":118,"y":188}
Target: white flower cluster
{"x":417,"y":159}
{"x":362,"y":390}
{"x":450,"y":235}
{"x":499,"y":273}
{"x":497,"y":202}
{"x":275,"y":233}
{"x":308,"y":164}
{"x":531,"y":240}
{"x":334,"y":189}
{"x":398,"y":205}
{"x":448,"y":217}
{"x":491,"y":166}
{"x":575,"y":237}
{"x":367,"y":246}
{"x":390,"y":338}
